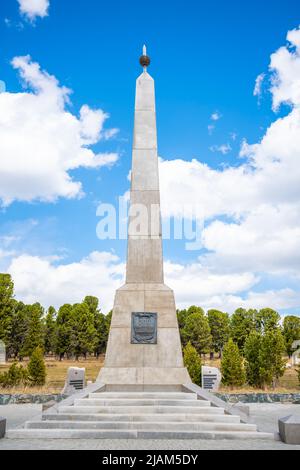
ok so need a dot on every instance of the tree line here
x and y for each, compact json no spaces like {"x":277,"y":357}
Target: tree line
{"x":251,"y":343}
{"x":73,"y":331}
{"x":81,"y":329}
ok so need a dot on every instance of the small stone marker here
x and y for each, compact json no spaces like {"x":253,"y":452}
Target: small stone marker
{"x":2,"y":353}
{"x":2,"y":427}
{"x":296,"y":354}
{"x":75,"y":380}
{"x":289,"y":429}
{"x":211,"y":378}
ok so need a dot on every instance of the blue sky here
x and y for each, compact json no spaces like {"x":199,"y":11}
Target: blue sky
{"x":206,"y":57}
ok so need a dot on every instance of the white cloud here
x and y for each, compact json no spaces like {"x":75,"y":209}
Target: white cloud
{"x":224,"y":148}
{"x":285,"y":65}
{"x":216,"y":116}
{"x":41,"y":280}
{"x":41,"y":141}
{"x":258,"y":85}
{"x":260,"y":199}
{"x":34,"y":8}
{"x":252,"y":229}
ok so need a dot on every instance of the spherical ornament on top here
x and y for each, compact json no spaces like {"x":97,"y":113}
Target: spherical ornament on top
{"x":145,"y":61}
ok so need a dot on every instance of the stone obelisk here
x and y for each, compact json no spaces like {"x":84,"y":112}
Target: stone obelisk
{"x":144,"y":346}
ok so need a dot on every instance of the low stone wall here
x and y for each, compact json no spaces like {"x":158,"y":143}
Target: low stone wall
{"x":260,"y":397}
{"x":18,"y":399}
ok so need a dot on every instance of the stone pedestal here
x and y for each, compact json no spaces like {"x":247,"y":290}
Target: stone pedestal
{"x":144,"y":364}
{"x":289,"y":429}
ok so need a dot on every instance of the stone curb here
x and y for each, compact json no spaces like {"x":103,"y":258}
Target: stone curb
{"x":293,"y":398}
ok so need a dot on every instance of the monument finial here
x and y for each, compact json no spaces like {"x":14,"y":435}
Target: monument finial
{"x":145,"y":59}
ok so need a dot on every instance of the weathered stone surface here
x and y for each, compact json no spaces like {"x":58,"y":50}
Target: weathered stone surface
{"x":18,"y":399}
{"x":2,"y":427}
{"x":289,"y":429}
{"x":260,"y":397}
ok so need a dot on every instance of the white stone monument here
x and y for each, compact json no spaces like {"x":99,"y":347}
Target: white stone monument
{"x":211,"y":378}
{"x":2,"y":353}
{"x":75,"y":380}
{"x":296,"y":353}
{"x":144,"y":344}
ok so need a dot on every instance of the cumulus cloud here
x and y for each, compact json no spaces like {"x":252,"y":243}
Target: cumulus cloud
{"x":34,"y":8}
{"x":251,"y":211}
{"x":42,"y":279}
{"x":41,"y":140}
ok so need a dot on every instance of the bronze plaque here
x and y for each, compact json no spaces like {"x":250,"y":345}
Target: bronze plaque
{"x":144,"y":328}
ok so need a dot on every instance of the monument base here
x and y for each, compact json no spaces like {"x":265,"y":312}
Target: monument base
{"x":158,"y":363}
{"x":144,"y":376}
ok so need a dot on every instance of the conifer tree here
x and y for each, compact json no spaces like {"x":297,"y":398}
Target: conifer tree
{"x":220,"y":329}
{"x":232,"y":368}
{"x":192,"y":362}
{"x":35,"y":335}
{"x":50,"y":331}
{"x":6,"y":307}
{"x":84,"y":330}
{"x":252,"y":350}
{"x":197,"y":331}
{"x":65,"y":338}
{"x":36,"y":368}
{"x":271,"y":362}
{"x":242,"y":322}
{"x":19,"y":330}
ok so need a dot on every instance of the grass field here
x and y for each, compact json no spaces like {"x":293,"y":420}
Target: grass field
{"x":57,"y":371}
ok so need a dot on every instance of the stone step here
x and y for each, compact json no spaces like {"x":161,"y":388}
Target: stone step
{"x":144,"y":417}
{"x":139,"y":402}
{"x":139,"y":409}
{"x":131,"y":434}
{"x":140,"y":426}
{"x":145,"y":395}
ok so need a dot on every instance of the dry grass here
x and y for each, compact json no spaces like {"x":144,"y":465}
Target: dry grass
{"x":287,"y":384}
{"x":57,"y":371}
{"x":56,"y":374}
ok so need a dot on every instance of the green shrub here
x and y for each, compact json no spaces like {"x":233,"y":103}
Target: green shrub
{"x":36,"y":368}
{"x":15,"y":376}
{"x":192,"y":362}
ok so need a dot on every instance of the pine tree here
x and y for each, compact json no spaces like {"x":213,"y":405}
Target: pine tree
{"x":6,"y":307}
{"x":50,"y":331}
{"x":267,"y":319}
{"x":291,"y":332}
{"x":232,"y":368}
{"x":197,"y":331}
{"x":36,"y":368}
{"x":35,"y":335}
{"x":272,"y":364}
{"x":65,"y":336}
{"x":192,"y":362}
{"x":84,"y":330}
{"x":252,"y":349}
{"x":220,"y":329}
{"x":242,"y":322}
{"x":19,"y":330}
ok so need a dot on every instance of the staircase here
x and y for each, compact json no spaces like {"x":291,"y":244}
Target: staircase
{"x":138,"y":415}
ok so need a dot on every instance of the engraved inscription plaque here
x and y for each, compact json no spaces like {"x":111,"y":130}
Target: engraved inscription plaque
{"x":144,"y":328}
